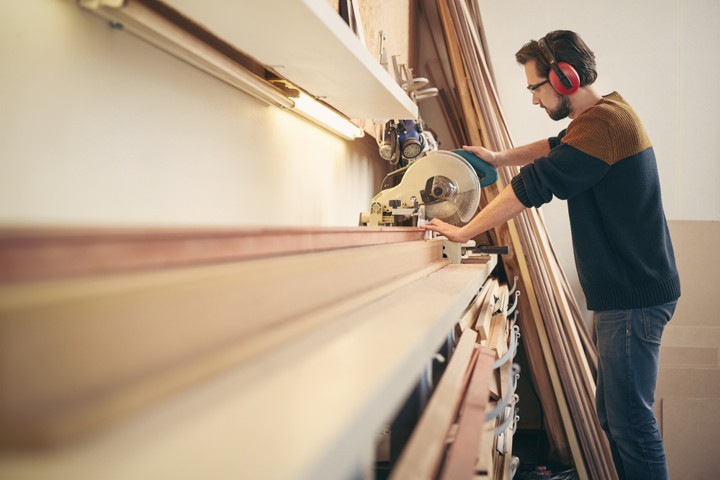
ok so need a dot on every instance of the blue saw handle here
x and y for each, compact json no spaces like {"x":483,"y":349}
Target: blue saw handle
{"x":486,"y":172}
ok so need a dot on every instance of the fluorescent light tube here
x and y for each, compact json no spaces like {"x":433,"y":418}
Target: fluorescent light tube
{"x":311,"y":109}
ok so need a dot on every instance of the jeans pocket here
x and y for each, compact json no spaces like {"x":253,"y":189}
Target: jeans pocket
{"x":655,"y":319}
{"x":653,"y":329}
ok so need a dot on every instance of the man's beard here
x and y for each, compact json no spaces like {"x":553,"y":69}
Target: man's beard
{"x":562,"y":110}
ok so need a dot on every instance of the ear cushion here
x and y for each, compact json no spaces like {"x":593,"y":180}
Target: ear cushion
{"x":570,"y":73}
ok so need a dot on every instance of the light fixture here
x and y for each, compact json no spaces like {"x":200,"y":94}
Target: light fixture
{"x":309,"y":108}
{"x":155,"y":28}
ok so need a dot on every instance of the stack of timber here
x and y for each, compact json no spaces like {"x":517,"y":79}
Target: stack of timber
{"x":466,"y":431}
{"x":561,"y":354}
{"x":207,"y":353}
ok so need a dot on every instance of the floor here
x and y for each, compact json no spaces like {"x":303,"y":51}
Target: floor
{"x":531,"y":447}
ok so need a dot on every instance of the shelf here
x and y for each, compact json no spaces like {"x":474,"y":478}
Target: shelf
{"x":308,"y":43}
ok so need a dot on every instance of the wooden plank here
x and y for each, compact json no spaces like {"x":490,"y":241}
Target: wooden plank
{"x":458,"y":72}
{"x":471,"y":314}
{"x":507,"y":458}
{"x":68,"y":347}
{"x":43,"y":254}
{"x":462,"y":455}
{"x":588,"y":445}
{"x":498,"y":337}
{"x":423,"y":453}
{"x":485,"y":463}
{"x":497,"y":343}
{"x":482,"y":325}
{"x":299,"y":412}
{"x":565,"y":313}
{"x":577,"y":380}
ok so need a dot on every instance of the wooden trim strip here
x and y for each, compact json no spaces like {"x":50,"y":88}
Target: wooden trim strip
{"x":462,"y":454}
{"x":422,"y":455}
{"x":44,"y":254}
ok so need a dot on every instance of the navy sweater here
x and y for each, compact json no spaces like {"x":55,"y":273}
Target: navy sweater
{"x":604,"y":165}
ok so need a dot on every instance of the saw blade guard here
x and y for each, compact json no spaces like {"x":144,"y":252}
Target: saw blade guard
{"x":444,"y":182}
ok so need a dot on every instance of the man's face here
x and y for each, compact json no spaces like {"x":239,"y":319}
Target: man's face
{"x":557,"y":106}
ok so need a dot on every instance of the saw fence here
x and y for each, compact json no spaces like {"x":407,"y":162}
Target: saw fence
{"x":561,"y":354}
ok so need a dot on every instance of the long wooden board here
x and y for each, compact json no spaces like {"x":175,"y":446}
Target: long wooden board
{"x":71,"y":347}
{"x":311,"y":407}
{"x":461,"y":456}
{"x":33,"y":254}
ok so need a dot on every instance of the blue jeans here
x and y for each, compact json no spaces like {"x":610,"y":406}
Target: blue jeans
{"x":628,"y":352}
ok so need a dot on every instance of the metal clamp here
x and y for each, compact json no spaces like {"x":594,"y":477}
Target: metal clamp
{"x":512,"y":385}
{"x":512,"y":349}
{"x":452,"y":340}
{"x":429,"y":369}
{"x":513,"y":416}
{"x":514,"y":287}
{"x":512,"y":309}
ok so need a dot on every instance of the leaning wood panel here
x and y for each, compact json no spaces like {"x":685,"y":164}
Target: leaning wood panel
{"x":544,"y":369}
{"x":68,"y":347}
{"x":570,"y":357}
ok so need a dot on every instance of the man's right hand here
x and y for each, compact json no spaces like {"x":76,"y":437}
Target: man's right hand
{"x":487,"y":155}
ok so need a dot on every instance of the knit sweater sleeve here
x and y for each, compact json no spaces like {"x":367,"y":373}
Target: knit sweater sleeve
{"x":565,"y":172}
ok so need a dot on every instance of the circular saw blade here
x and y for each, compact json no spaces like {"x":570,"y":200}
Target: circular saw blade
{"x":460,"y":205}
{"x":455,"y":186}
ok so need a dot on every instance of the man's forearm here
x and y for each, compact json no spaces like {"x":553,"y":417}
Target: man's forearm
{"x":520,"y":156}
{"x":504,"y":207}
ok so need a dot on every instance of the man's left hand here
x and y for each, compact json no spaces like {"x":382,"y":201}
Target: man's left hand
{"x":452,"y":232}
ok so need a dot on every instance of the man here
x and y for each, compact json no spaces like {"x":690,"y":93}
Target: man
{"x":604,"y":165}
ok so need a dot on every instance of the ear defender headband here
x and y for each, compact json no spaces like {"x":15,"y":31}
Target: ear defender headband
{"x":563,"y":77}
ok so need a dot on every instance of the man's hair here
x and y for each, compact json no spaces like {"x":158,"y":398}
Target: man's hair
{"x":566,"y":46}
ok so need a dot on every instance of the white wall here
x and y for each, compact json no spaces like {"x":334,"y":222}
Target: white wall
{"x":98,"y":128}
{"x":661,"y":55}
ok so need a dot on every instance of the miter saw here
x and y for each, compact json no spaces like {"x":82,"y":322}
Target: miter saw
{"x":442,"y":184}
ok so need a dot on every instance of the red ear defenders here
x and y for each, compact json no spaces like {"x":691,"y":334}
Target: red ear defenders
{"x":563,"y":77}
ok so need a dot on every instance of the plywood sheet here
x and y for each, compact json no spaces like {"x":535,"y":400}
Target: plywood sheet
{"x":692,"y":434}
{"x":694,"y":243}
{"x":689,"y":357}
{"x":689,"y":382}
{"x":681,"y":335}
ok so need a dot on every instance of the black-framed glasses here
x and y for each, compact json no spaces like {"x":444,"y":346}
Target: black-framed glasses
{"x":532,"y":88}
